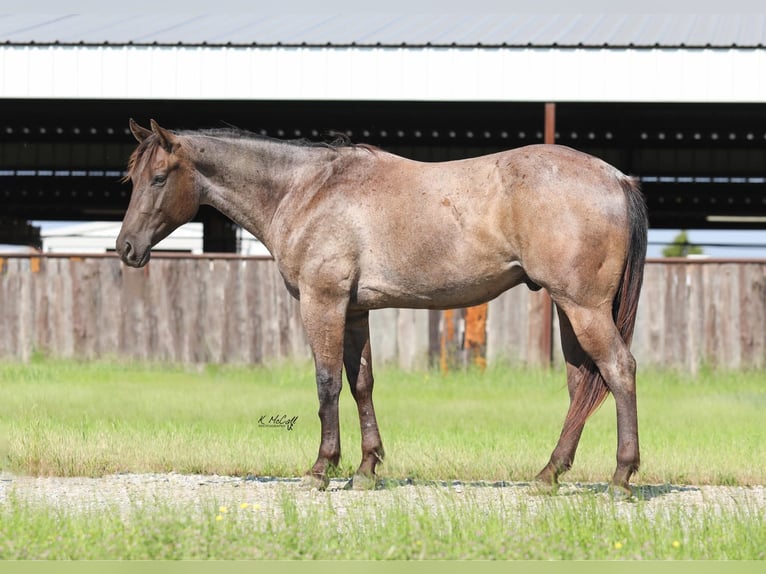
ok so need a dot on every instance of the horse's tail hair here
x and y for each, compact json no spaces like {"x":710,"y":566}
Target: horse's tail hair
{"x":592,"y":390}
{"x":626,"y":301}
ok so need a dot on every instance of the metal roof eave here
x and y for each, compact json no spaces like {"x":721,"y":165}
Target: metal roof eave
{"x":393,"y":46}
{"x":573,"y":28}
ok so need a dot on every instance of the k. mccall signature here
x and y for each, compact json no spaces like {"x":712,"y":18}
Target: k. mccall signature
{"x":277,"y":421}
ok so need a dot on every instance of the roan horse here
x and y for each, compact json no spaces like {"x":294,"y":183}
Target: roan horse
{"x":353,"y":228}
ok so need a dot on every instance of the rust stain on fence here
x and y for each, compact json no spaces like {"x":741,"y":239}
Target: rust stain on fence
{"x":476,"y":335}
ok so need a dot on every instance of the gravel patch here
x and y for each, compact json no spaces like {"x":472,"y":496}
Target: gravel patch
{"x":126,"y":492}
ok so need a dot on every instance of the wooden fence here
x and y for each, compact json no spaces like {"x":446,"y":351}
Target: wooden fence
{"x":702,"y":311}
{"x":235,"y":309}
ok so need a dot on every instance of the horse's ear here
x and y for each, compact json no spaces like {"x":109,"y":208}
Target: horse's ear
{"x":168,"y":140}
{"x":138,"y":132}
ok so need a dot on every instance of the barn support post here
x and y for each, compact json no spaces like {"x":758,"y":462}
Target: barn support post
{"x":16,"y":231}
{"x":219,"y":234}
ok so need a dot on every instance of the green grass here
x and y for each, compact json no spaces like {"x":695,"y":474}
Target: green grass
{"x":68,"y":418}
{"x":581,"y":527}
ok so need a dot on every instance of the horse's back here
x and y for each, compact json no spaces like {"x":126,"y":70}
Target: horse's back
{"x":461,"y":232}
{"x":499,"y":202}
{"x":412,"y":234}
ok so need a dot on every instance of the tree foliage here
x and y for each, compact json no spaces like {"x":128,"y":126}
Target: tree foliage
{"x":681,"y":247}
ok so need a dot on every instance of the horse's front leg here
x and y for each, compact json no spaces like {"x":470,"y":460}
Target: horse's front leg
{"x":358,"y":362}
{"x":324,"y":319}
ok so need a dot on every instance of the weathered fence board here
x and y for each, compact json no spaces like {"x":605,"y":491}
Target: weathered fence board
{"x":236,"y":309}
{"x":694,"y":312}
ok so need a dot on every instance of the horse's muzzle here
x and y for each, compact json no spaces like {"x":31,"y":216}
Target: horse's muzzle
{"x":130,"y":255}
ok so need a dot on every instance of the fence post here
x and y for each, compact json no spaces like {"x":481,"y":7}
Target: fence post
{"x":449,"y":356}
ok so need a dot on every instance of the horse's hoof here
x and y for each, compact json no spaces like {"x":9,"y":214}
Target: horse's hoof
{"x":363,"y":482}
{"x":543,"y":487}
{"x":620,"y":491}
{"x":545,"y":482}
{"x":314,"y":482}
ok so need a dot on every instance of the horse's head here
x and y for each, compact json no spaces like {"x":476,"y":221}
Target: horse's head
{"x":165,"y":194}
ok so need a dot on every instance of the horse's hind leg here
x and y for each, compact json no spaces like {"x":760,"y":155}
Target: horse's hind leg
{"x":599,"y":338}
{"x":358,"y":362}
{"x":563,"y":455}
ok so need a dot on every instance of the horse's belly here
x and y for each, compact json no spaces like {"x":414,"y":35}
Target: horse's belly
{"x":424,"y":292}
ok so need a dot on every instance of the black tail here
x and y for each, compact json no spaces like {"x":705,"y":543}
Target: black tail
{"x":592,"y":390}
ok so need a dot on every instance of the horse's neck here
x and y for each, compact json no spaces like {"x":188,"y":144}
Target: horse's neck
{"x":246,"y":180}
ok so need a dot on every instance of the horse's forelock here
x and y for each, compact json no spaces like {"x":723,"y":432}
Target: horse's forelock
{"x":146,"y":148}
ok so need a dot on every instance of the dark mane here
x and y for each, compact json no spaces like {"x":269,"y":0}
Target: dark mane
{"x":336,"y":139}
{"x":339,"y":141}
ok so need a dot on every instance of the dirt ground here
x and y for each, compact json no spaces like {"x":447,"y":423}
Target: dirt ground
{"x":125,"y":492}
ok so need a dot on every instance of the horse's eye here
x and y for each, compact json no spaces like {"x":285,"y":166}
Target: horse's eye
{"x":159,"y":179}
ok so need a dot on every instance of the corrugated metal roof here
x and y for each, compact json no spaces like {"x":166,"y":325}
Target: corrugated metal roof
{"x":492,"y":30}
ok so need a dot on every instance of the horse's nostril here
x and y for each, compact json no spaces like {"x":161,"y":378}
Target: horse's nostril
{"x":128,"y":249}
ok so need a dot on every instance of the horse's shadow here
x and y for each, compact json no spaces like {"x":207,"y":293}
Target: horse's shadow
{"x":640,"y":492}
